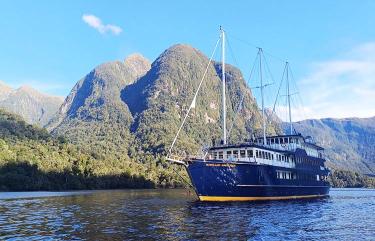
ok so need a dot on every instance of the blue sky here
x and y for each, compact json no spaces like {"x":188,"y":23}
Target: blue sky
{"x":50,"y":45}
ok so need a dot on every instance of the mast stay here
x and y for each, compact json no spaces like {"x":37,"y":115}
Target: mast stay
{"x":193,"y":102}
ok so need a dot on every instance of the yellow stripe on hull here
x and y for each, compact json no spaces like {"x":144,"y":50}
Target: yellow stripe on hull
{"x":229,"y":199}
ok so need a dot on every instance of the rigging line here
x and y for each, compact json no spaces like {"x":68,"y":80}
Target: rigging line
{"x":232,"y":52}
{"x":195,"y":96}
{"x":183,"y":179}
{"x":298,"y":92}
{"x":256,"y":46}
{"x":243,"y":94}
{"x":235,"y":114}
{"x":296,"y":106}
{"x":273,"y":80}
{"x":268,"y":68}
{"x":278,"y":91}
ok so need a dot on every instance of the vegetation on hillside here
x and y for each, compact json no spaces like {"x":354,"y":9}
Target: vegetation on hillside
{"x":343,"y":178}
{"x":34,"y":107}
{"x":32,"y":159}
{"x":349,"y":143}
{"x":159,"y":101}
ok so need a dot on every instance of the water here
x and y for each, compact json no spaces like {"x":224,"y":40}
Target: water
{"x":347,"y":214}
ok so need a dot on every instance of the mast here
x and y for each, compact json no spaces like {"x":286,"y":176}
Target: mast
{"x":261,"y":92}
{"x":288,"y":94}
{"x":223,"y":80}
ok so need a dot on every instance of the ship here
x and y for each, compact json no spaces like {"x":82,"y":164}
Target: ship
{"x":277,"y":167}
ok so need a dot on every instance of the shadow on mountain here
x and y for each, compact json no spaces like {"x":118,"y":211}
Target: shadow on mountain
{"x":23,"y":176}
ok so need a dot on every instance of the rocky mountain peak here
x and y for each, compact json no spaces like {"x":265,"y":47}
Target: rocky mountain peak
{"x":181,"y":53}
{"x":137,"y":64}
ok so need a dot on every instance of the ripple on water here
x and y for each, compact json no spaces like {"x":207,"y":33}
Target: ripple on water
{"x":174,"y":215}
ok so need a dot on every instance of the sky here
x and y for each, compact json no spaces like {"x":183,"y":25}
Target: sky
{"x":330,"y":45}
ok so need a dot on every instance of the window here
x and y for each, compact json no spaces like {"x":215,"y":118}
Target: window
{"x":229,"y":154}
{"x":285,"y":140}
{"x":272,"y":157}
{"x":250,"y":153}
{"x":278,"y":174}
{"x":272,"y":141}
{"x":215,"y":155}
{"x":257,"y":153}
{"x":242,"y":153}
{"x":281,"y":140}
{"x":220,"y":155}
{"x":285,"y":175}
{"x":277,"y":141}
{"x":235,"y":154}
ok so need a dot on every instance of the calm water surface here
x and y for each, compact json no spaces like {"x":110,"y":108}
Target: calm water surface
{"x":175,"y":215}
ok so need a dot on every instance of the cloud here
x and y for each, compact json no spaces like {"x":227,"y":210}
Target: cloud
{"x":96,"y":23}
{"x":341,"y":87}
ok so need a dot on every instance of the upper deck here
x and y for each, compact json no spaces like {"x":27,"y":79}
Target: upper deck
{"x":278,"y":151}
{"x":291,"y":143}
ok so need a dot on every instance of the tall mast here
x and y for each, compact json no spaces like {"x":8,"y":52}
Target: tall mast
{"x":288,"y":94}
{"x":261,"y":92}
{"x":223,"y":80}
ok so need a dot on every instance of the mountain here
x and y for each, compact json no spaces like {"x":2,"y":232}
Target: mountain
{"x":33,"y":106}
{"x":159,"y":100}
{"x":134,"y":107}
{"x":349,"y":142}
{"x":94,"y":114}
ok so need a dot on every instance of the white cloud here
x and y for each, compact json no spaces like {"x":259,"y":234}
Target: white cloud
{"x":342,"y":87}
{"x":96,"y":23}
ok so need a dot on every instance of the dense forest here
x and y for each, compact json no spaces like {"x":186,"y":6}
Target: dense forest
{"x":344,"y":178}
{"x":32,"y":159}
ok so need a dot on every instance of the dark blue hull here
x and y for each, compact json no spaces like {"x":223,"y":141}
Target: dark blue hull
{"x":217,"y":180}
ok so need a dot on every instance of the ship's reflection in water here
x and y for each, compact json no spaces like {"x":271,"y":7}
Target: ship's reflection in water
{"x":175,"y":215}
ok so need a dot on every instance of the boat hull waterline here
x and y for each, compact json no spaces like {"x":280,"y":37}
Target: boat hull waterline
{"x":218,"y":180}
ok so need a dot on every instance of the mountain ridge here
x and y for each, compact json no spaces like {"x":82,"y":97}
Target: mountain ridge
{"x":349,"y":142}
{"x":34,"y":106}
